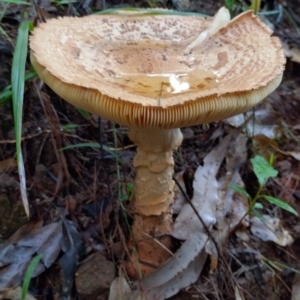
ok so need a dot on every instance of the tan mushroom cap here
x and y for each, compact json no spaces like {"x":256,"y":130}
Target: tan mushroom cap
{"x":135,"y":70}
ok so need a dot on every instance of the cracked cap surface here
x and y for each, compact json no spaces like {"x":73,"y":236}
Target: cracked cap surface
{"x":135,"y":70}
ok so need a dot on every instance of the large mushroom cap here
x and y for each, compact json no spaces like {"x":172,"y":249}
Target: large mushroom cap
{"x":148,"y":71}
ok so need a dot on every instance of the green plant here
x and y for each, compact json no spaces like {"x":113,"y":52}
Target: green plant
{"x":92,"y":145}
{"x":16,"y":2}
{"x":6,"y":94}
{"x":17,"y":88}
{"x":229,"y":4}
{"x":129,"y":192}
{"x":28,"y":274}
{"x":255,"y":5}
{"x":236,"y":7}
{"x":263,"y":170}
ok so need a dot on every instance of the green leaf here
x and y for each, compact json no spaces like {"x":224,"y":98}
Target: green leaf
{"x":280,"y":203}
{"x":28,"y":274}
{"x":258,"y":205}
{"x":84,"y":113}
{"x":262,"y":169}
{"x":68,"y":127}
{"x":91,"y":145}
{"x":239,"y":189}
{"x":6,"y":94}
{"x":30,"y":27}
{"x":18,"y":2}
{"x":130,"y":191}
{"x":17,"y":80}
{"x":229,"y":4}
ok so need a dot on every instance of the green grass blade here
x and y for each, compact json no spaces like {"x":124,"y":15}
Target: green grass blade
{"x":27,"y":277}
{"x":148,"y":12}
{"x":6,"y":94}
{"x":17,"y":80}
{"x":68,"y":127}
{"x":91,"y":145}
{"x":255,"y":5}
{"x":18,"y":2}
{"x":2,"y":14}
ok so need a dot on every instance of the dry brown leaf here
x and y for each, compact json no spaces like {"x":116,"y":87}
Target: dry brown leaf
{"x":119,"y":288}
{"x":16,"y":255}
{"x":294,"y":154}
{"x":206,"y":196}
{"x":266,"y":147}
{"x":212,"y":198}
{"x":264,"y":123}
{"x":25,"y":230}
{"x":269,"y":228}
{"x":180,"y":271}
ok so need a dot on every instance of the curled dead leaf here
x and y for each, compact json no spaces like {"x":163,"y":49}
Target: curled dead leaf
{"x":180,"y":271}
{"x":269,"y":228}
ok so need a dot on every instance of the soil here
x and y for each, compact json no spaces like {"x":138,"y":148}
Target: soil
{"x":85,"y":180}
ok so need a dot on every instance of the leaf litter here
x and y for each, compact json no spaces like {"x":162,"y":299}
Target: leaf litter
{"x":180,"y":271}
{"x":120,"y":289}
{"x":258,"y":122}
{"x":223,"y":177}
{"x":214,"y":202}
{"x":222,"y":209}
{"x":16,"y":256}
{"x":49,"y":241}
{"x":269,"y":228}
{"x":209,"y":192}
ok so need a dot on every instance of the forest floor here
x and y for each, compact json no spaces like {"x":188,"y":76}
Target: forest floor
{"x":82,"y":186}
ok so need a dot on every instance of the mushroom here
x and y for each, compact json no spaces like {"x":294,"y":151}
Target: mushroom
{"x":156,"y":74}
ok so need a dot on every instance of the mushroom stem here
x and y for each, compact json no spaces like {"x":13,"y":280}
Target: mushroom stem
{"x":154,"y":194}
{"x":154,"y":165}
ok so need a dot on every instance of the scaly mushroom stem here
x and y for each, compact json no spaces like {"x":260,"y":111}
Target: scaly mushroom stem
{"x":154,"y":194}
